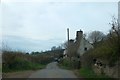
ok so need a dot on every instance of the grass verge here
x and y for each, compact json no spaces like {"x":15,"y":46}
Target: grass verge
{"x":89,"y":74}
{"x":0,"y":67}
{"x":26,"y":66}
{"x":64,"y":67}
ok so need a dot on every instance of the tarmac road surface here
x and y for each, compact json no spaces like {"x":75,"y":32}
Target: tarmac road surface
{"x":53,"y":71}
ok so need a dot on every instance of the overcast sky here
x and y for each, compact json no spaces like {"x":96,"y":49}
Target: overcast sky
{"x":35,"y":26}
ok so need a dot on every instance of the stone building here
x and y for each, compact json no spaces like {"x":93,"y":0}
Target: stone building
{"x":78,"y":46}
{"x":83,"y":44}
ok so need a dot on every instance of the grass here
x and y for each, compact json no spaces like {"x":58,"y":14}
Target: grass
{"x":27,"y":66}
{"x":90,"y":75}
{"x":0,"y":67}
{"x":86,"y":73}
{"x":64,"y":67}
{"x":66,"y":64}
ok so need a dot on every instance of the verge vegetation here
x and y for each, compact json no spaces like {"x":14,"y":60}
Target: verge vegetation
{"x":17,"y":61}
{"x":106,"y":50}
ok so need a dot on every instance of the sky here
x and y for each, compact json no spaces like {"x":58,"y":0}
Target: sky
{"x":38,"y":25}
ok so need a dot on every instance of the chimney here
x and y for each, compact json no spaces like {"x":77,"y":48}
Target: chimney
{"x":79,"y":35}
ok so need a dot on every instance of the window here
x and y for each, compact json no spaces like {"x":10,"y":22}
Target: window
{"x":85,"y":48}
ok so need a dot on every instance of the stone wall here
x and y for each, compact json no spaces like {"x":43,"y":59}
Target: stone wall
{"x":110,"y":71}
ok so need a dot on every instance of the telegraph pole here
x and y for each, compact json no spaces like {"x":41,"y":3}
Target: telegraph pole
{"x":119,"y":13}
{"x":68,"y":38}
{"x":68,"y":34}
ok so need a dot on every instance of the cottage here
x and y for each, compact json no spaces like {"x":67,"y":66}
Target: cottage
{"x":83,"y":44}
{"x":78,"y":46}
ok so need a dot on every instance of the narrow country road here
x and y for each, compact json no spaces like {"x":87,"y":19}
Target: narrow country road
{"x":53,"y":71}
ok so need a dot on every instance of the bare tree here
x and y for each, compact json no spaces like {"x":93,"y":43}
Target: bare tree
{"x":65,"y":45}
{"x":95,"y":36}
{"x":115,"y":27}
{"x":53,"y":48}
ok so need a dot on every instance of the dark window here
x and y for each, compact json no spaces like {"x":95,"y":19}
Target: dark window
{"x":85,"y":49}
{"x":78,"y":56}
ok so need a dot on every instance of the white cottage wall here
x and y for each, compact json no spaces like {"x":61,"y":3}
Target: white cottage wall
{"x":84,"y":46}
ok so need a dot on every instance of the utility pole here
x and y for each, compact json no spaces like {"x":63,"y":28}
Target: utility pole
{"x":68,"y":34}
{"x":119,"y":13}
{"x":68,"y":47}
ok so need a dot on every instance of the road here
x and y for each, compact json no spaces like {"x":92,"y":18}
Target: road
{"x":53,"y":71}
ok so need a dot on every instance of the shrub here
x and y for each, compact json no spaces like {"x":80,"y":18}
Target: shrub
{"x":14,"y":61}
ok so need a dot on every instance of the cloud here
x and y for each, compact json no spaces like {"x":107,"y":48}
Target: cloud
{"x":28,"y":45}
{"x":31,"y":20}
{"x":59,"y":1}
{"x":45,"y":23}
